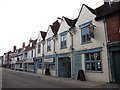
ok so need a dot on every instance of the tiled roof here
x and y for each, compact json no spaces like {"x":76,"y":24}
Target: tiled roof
{"x":55,"y":27}
{"x":20,"y":51}
{"x":43,"y":34}
{"x":90,"y":9}
{"x":106,"y":10}
{"x":71,"y":22}
{"x":27,"y":48}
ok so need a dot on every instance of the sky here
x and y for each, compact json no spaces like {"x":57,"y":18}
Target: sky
{"x":21,"y":20}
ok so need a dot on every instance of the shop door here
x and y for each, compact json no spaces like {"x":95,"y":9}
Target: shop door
{"x":116,"y":63}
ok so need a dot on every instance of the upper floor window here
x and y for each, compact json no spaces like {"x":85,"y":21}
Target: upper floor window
{"x":85,"y":35}
{"x":39,"y":47}
{"x":25,"y":55}
{"x":63,"y":41}
{"x":48,"y":44}
{"x":17,"y":58}
{"x":31,"y":53}
{"x":93,"y":61}
{"x":87,"y":32}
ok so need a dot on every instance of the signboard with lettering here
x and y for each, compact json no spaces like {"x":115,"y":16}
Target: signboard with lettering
{"x":48,"y":60}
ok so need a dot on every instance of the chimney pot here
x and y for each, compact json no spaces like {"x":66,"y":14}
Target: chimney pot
{"x":23,"y":45}
{"x":14,"y":48}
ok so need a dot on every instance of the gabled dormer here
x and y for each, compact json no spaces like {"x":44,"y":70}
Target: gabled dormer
{"x":86,"y":14}
{"x":39,"y":44}
{"x":49,"y":41}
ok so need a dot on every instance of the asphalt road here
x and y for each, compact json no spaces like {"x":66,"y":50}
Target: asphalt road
{"x":13,"y":79}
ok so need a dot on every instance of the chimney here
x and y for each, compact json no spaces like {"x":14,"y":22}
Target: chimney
{"x":30,"y":39}
{"x":109,"y":2}
{"x":14,"y":48}
{"x":23,"y":45}
{"x":106,"y":2}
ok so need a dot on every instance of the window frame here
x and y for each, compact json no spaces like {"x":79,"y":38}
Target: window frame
{"x":88,"y":34}
{"x":63,"y":40}
{"x":39,"y":47}
{"x":90,"y":61}
{"x":49,"y":44}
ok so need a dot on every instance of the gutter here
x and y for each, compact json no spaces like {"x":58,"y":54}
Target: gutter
{"x":71,"y":47}
{"x":107,"y":49}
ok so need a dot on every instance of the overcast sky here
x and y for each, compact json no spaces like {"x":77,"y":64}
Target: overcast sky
{"x":22,"y":19}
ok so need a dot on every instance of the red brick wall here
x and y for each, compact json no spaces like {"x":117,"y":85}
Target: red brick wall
{"x":113,"y":25}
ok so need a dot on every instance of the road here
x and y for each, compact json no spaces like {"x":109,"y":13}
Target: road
{"x":13,"y":79}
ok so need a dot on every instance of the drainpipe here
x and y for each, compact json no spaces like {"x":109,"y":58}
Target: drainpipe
{"x":54,"y":44}
{"x":71,"y":47}
{"x":56,"y":60}
{"x":35,"y":62}
{"x":43,"y":43}
{"x":107,"y":49}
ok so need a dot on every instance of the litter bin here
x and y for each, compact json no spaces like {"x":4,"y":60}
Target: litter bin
{"x":81,"y":75}
{"x":47,"y":71}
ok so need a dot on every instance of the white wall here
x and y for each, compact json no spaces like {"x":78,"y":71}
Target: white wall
{"x":63,"y":27}
{"x":48,"y":35}
{"x":99,"y":41}
{"x":39,"y":39}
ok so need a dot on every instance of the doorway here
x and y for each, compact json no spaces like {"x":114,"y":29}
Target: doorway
{"x":64,"y":67}
{"x":116,"y":64}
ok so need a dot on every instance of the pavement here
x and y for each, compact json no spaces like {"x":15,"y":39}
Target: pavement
{"x":83,"y":84}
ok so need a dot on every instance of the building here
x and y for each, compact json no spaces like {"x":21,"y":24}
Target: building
{"x":77,"y":44}
{"x":1,"y":61}
{"x":14,"y":58}
{"x":28,"y":56}
{"x":19,"y":62}
{"x":39,"y":63}
{"x":50,"y":48}
{"x":5,"y":60}
{"x":110,"y":14}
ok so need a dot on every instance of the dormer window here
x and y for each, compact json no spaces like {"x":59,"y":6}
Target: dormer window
{"x":63,"y":40}
{"x":87,"y":32}
{"x":49,"y":44}
{"x":39,"y":47}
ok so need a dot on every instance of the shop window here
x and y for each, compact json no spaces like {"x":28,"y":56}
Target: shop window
{"x":93,"y":61}
{"x":39,"y":65}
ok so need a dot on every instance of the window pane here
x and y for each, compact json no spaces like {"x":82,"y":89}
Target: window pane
{"x":85,"y":31}
{"x":88,"y":37}
{"x":87,"y":57}
{"x":87,"y":66}
{"x":83,"y":38}
{"x":92,"y":56}
{"x":65,"y":43}
{"x":93,"y":66}
{"x":99,"y":66}
{"x":64,"y":37}
{"x":97,"y":55}
{"x":39,"y":47}
{"x":61,"y":44}
{"x":49,"y":45}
